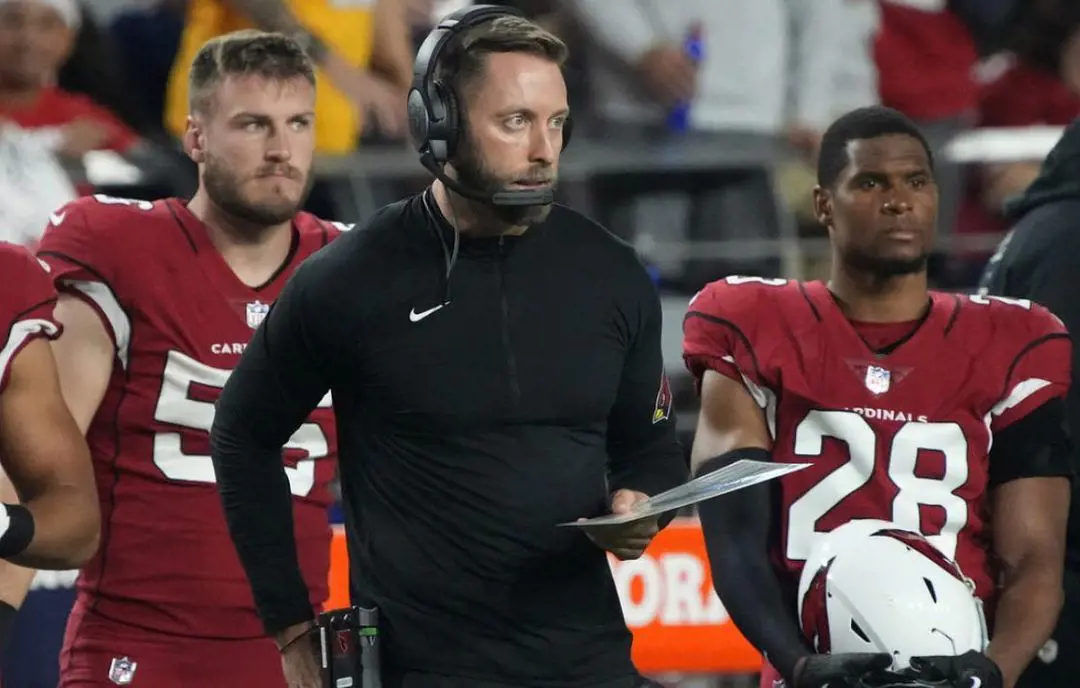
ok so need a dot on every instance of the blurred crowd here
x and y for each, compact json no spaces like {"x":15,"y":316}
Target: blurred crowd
{"x":93,"y":98}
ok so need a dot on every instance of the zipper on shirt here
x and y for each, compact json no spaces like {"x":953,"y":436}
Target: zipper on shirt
{"x":511,"y":360}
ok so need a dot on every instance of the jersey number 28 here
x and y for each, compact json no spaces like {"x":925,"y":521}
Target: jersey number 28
{"x":913,"y":491}
{"x":177,"y":407}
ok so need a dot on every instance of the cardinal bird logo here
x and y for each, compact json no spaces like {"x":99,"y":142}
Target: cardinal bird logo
{"x":662,"y":411}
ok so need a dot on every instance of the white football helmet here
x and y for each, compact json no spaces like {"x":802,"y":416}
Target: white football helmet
{"x":869,"y":586}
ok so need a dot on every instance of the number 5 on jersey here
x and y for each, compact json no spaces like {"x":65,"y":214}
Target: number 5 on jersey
{"x":176,"y":407}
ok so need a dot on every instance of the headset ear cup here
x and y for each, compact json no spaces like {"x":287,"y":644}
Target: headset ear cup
{"x":442,"y":123}
{"x":419,"y":122}
{"x":452,"y":121}
{"x":567,"y":130}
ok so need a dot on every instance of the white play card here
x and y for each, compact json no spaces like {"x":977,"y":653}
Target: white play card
{"x":735,"y":476}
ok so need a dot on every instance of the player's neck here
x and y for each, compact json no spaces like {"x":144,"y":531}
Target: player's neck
{"x":469,"y":217}
{"x":254,"y":254}
{"x":866,"y":298}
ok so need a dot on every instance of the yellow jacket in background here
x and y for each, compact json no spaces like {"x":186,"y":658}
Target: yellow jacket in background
{"x":347,"y":26}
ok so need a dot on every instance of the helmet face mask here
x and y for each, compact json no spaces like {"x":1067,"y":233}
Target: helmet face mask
{"x":871,"y":587}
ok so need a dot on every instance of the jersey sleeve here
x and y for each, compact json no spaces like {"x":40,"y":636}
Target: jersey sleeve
{"x":718,"y":328}
{"x":1039,"y":368}
{"x":80,"y":245}
{"x":26,"y":306}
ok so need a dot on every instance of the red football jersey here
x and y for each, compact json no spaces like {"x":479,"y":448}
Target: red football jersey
{"x":26,"y":304}
{"x":903,"y":437}
{"x":179,"y":319}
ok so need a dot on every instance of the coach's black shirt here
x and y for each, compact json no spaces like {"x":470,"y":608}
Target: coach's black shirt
{"x":468,"y":430}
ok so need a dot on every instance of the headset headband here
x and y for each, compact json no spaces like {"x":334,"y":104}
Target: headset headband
{"x":427,"y":58}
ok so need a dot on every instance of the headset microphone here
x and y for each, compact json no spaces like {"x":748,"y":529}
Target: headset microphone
{"x":435,"y":119}
{"x":510,"y":198}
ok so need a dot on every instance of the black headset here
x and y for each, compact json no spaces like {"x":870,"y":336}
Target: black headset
{"x":434,"y":114}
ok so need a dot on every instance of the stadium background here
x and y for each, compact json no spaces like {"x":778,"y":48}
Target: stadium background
{"x":722,"y":191}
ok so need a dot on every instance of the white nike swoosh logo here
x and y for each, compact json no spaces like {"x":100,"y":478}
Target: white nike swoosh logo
{"x":417,"y":317}
{"x":57,"y":218}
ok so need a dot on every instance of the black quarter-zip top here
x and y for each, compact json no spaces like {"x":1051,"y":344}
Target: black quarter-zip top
{"x":508,"y":345}
{"x":486,"y":390}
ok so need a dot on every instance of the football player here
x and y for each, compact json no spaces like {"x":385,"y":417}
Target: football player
{"x":939,"y":412}
{"x":41,"y":449}
{"x":158,"y":300}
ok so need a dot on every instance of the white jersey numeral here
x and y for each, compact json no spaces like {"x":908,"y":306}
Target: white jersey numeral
{"x":987,"y":299}
{"x":176,"y":406}
{"x":750,"y":279}
{"x":946,"y":439}
{"x":116,"y":200}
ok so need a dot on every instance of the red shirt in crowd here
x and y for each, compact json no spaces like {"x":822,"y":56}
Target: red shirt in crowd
{"x":55,"y":108}
{"x":925,"y":56}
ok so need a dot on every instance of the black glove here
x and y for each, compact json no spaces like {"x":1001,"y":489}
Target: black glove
{"x":961,"y":670}
{"x":839,"y":670}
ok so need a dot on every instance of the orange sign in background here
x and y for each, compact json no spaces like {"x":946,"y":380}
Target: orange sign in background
{"x":678,"y":622}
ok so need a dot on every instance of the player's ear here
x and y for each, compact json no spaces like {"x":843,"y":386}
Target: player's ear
{"x":823,"y":209}
{"x":194,"y":141}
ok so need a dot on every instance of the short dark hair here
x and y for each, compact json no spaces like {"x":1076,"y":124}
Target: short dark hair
{"x":464,"y":58}
{"x":857,"y":125}
{"x":242,"y":53}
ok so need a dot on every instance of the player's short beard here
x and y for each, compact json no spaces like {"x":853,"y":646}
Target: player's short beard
{"x":223,"y":187}
{"x":474,"y":173}
{"x":884,"y":267}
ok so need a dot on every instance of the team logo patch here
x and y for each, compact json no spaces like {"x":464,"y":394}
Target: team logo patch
{"x":878,"y":379}
{"x":662,"y":411}
{"x":256,"y":313}
{"x":122,"y":671}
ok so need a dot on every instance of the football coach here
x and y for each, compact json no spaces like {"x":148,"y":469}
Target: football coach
{"x":496,"y":370}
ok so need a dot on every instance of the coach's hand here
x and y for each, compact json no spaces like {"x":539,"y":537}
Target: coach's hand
{"x":299,"y":657}
{"x":627,"y":540}
{"x":827,"y":671}
{"x":960,"y":670}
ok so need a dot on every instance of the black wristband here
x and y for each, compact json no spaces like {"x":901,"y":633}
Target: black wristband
{"x":7,"y":622}
{"x":20,"y":530}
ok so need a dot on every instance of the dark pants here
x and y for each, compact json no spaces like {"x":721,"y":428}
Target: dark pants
{"x":1058,"y":663}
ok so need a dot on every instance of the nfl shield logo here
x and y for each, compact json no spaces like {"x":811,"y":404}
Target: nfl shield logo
{"x":121,"y":671}
{"x":877,"y":379}
{"x":256,"y":313}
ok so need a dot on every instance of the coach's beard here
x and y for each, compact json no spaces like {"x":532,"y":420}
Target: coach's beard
{"x":475,"y":174}
{"x":223,"y":187}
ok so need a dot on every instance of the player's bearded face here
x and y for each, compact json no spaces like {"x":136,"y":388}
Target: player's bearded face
{"x":258,"y":148}
{"x":269,"y":196}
